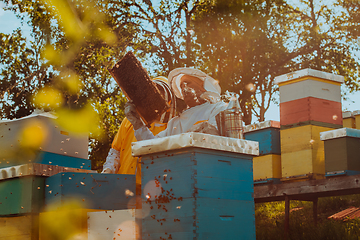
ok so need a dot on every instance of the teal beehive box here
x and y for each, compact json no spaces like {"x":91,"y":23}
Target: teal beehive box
{"x":94,"y":190}
{"x":22,"y":195}
{"x":267,"y":133}
{"x":197,"y":186}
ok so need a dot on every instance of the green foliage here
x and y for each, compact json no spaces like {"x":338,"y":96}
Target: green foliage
{"x":245,"y":44}
{"x":269,"y":219}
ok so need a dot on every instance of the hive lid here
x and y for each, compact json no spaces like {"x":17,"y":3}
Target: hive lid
{"x":261,"y":125}
{"x":347,"y":114}
{"x":308,"y":72}
{"x":36,"y":113}
{"x":341,"y":132}
{"x":194,"y":139}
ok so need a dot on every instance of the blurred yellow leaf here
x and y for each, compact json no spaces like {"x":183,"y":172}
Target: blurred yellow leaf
{"x":63,"y":221}
{"x":73,"y":84}
{"x":48,"y":97}
{"x":73,"y":27}
{"x":80,"y":121}
{"x":33,"y":134}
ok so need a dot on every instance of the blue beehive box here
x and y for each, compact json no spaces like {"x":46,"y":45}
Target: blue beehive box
{"x":95,"y":190}
{"x":267,"y":133}
{"x":49,"y":158}
{"x":197,"y":186}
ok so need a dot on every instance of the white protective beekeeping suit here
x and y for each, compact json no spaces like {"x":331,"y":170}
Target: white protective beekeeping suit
{"x":205,"y":112}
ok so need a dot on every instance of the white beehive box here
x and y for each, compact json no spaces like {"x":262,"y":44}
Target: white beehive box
{"x":114,"y":225}
{"x":39,"y":131}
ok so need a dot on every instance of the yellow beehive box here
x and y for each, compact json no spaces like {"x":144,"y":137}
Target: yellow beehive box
{"x":267,"y":166}
{"x":356,"y":115}
{"x":24,"y":227}
{"x":302,"y":151}
{"x":348,"y":119}
{"x":64,"y":223}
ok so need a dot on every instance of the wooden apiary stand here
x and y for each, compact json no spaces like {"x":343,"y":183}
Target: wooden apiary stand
{"x":310,"y":103}
{"x":197,"y":186}
{"x":267,"y":166}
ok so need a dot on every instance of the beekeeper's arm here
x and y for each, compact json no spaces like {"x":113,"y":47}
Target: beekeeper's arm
{"x":141,"y":132}
{"x":112,"y":163}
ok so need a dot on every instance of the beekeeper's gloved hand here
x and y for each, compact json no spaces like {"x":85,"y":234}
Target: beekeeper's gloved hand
{"x":132,"y":115}
{"x":205,"y":127}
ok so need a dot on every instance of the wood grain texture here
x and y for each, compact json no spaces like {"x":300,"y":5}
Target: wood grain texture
{"x":308,"y":190}
{"x":310,"y":109}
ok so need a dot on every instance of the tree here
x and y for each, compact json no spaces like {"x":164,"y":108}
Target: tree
{"x":245,"y":44}
{"x":73,"y":45}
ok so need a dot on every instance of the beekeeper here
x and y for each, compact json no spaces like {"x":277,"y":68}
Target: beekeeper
{"x":119,"y":159}
{"x":200,"y":92}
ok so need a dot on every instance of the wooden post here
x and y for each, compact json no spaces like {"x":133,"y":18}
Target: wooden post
{"x":287,"y":217}
{"x":315,"y":203}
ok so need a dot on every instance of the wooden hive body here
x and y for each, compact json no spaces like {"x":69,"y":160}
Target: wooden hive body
{"x":311,"y":110}
{"x":342,"y":149}
{"x":302,"y":151}
{"x":96,"y":190}
{"x":56,"y":140}
{"x":49,"y":158}
{"x":198,"y":194}
{"x":19,"y":227}
{"x":22,"y":195}
{"x":138,"y":87}
{"x":348,"y":120}
{"x":268,"y":164}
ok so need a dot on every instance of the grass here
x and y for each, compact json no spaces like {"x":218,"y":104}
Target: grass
{"x":269,"y":218}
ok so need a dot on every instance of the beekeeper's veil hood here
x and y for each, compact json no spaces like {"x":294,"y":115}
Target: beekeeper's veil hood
{"x":211,"y":85}
{"x":169,"y":97}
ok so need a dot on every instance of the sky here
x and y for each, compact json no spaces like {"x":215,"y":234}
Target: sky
{"x":8,"y":22}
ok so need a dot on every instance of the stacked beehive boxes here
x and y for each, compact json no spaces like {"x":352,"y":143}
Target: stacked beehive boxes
{"x":31,"y":149}
{"x":310,"y":103}
{"x":266,"y":166}
{"x":197,"y":186}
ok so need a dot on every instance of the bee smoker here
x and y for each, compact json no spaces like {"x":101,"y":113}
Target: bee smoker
{"x":229,"y":121}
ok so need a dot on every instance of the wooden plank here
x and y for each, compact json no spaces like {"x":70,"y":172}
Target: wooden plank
{"x":310,"y":109}
{"x":308,"y":190}
{"x":310,"y":88}
{"x":267,"y":166}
